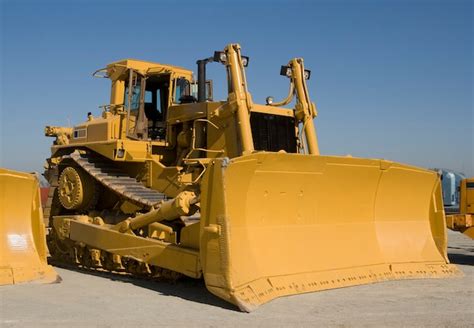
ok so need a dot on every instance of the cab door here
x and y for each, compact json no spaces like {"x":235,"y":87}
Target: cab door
{"x":137,"y":125}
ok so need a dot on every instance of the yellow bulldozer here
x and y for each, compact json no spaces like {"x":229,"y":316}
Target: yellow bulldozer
{"x":23,"y":248}
{"x":169,"y":183}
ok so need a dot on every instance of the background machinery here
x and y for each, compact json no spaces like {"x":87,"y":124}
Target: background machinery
{"x":463,"y":220}
{"x":22,"y":233}
{"x":235,"y":192}
{"x":450,"y":185}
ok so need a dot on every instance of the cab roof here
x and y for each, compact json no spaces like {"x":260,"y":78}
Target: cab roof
{"x":118,"y":68}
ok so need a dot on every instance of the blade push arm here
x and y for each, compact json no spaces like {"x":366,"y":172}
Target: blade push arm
{"x":238,"y":93}
{"x":305,"y":110}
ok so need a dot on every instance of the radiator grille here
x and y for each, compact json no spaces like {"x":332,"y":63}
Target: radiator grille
{"x":273,"y":132}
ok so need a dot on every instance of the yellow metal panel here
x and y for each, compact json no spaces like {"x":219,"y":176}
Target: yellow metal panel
{"x":135,"y":151}
{"x":273,"y":110}
{"x":222,"y":131}
{"x":22,"y":234}
{"x":188,"y":112}
{"x":287,"y":223}
{"x":469,"y":232}
{"x":190,"y":236}
{"x":466,"y":203}
{"x":98,"y":131}
{"x":145,"y":66}
{"x":461,"y":222}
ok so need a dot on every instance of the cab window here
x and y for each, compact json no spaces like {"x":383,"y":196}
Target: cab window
{"x":156,"y":99}
{"x":135,"y":101}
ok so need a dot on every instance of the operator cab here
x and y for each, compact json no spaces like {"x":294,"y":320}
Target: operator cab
{"x":148,"y":109}
{"x":145,"y":90}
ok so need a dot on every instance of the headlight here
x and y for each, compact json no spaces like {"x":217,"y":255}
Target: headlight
{"x":285,"y":71}
{"x":307,"y":74}
{"x":220,"y":57}
{"x":120,"y":153}
{"x":223,"y":57}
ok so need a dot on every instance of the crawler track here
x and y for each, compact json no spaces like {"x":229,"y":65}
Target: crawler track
{"x":116,"y":180}
{"x":67,"y":253}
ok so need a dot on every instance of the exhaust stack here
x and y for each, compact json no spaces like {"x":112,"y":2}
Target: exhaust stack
{"x":202,"y":78}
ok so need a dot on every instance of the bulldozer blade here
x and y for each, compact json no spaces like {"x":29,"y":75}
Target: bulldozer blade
{"x":23,"y":248}
{"x":278,"y":224}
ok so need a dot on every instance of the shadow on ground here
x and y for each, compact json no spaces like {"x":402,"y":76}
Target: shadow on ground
{"x":461,"y":255}
{"x":186,"y":288}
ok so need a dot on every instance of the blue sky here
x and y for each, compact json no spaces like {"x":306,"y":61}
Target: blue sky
{"x":391,"y":79}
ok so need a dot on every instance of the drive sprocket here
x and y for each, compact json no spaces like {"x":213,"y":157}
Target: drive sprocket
{"x":76,"y":189}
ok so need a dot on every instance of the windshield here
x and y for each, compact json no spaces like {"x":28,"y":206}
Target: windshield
{"x":135,"y":101}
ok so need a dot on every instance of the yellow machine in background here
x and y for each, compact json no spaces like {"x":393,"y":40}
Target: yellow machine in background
{"x":464,"y":220}
{"x":22,"y":234}
{"x":165,"y":184}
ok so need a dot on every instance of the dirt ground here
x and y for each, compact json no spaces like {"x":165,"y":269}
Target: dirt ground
{"x":90,"y":300}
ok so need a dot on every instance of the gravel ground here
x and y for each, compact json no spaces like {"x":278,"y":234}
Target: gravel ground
{"x":91,"y":300}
